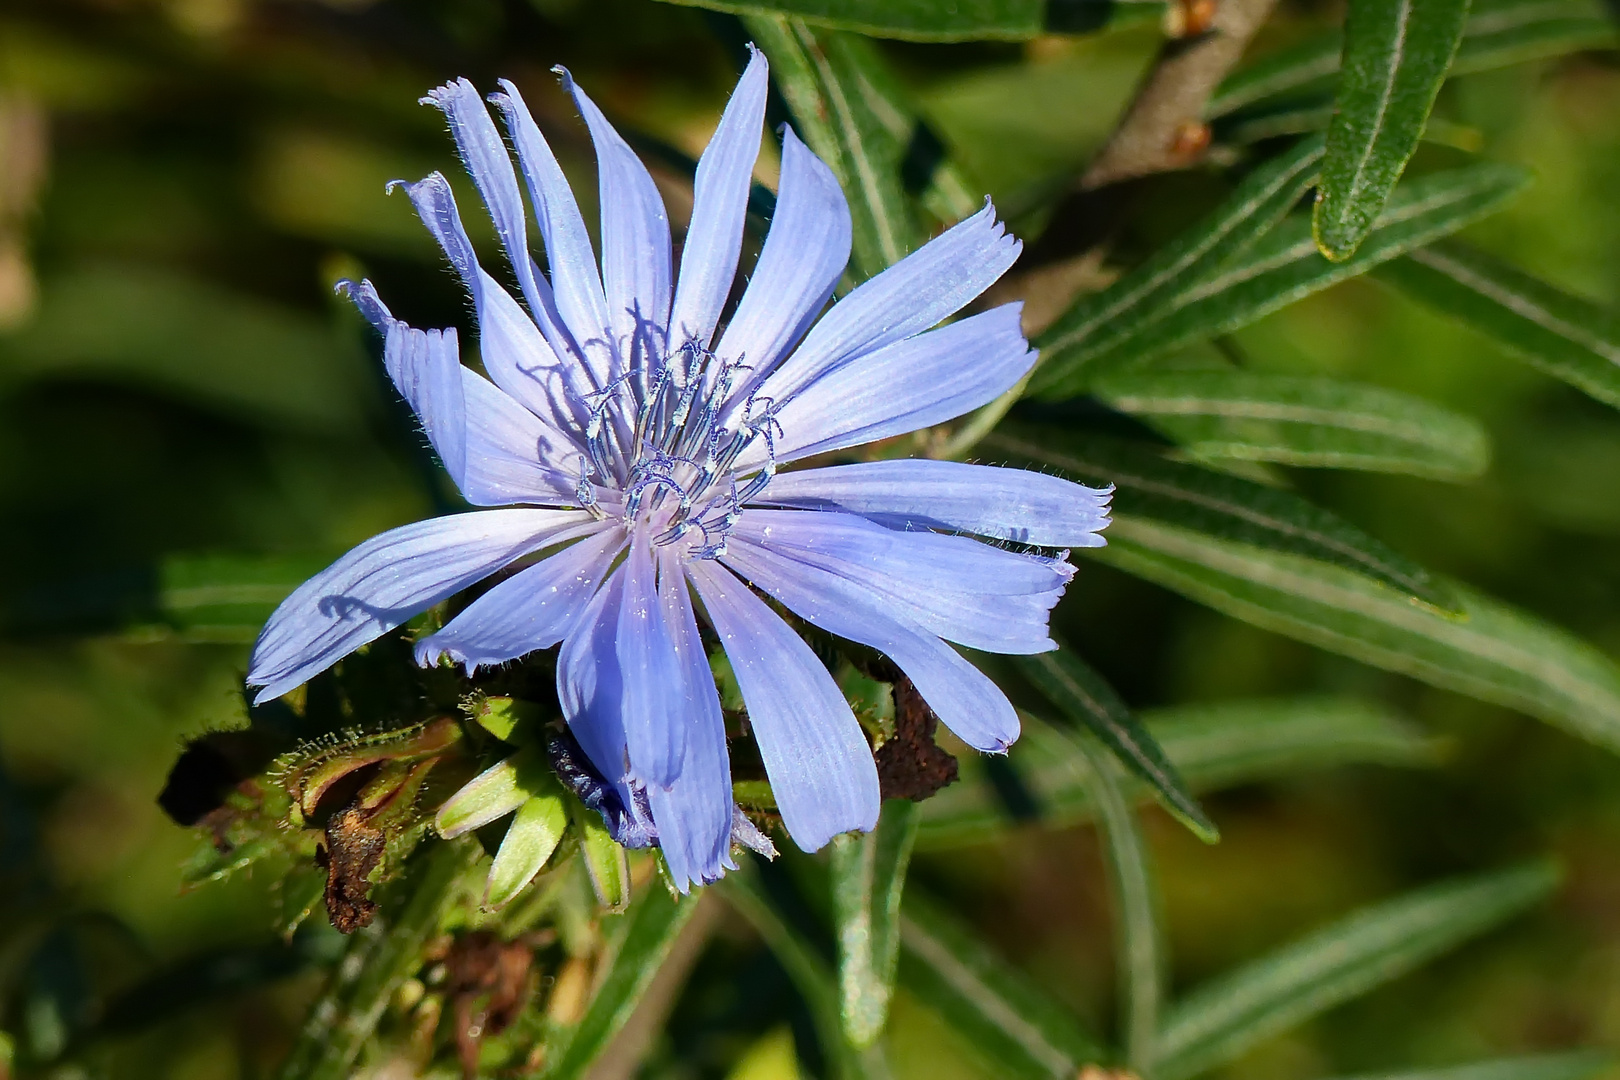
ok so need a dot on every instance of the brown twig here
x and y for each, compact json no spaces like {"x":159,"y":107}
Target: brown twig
{"x":1164,"y":127}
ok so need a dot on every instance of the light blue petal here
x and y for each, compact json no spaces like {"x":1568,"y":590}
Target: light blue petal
{"x":590,"y":685}
{"x":966,"y":700}
{"x":654,"y":702}
{"x":387,"y":580}
{"x":803,"y":258}
{"x":927,"y":379}
{"x":576,"y":283}
{"x":719,"y":205}
{"x":488,"y":163}
{"x":694,"y":814}
{"x":932,"y":283}
{"x":514,"y":352}
{"x":953,"y":586}
{"x":1008,"y":504}
{"x":635,"y":239}
{"x":425,"y":366}
{"x":820,"y":766}
{"x":532,"y":609}
{"x":512,"y":457}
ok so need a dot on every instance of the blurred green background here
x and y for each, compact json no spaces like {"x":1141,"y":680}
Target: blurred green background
{"x":181,"y":181}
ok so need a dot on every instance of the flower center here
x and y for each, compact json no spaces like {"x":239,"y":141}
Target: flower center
{"x":675,"y":465}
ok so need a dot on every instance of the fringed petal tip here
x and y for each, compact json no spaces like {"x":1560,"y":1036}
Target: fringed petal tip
{"x":444,"y":97}
{"x":365,"y":299}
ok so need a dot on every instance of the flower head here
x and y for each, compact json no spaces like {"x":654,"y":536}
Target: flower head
{"x":639,"y":452}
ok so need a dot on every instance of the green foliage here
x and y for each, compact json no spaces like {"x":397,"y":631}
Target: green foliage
{"x":868,"y":880}
{"x":1396,"y":53}
{"x":920,"y":20}
{"x":1222,"y":1018}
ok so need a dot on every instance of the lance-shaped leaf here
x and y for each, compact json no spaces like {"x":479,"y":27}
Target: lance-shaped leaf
{"x":527,"y":846}
{"x":643,"y":943}
{"x":1396,"y":53}
{"x":810,"y":972}
{"x":923,"y":20}
{"x":1285,"y":266}
{"x":496,"y":792}
{"x":1102,"y":319}
{"x":1020,"y":1032}
{"x":1232,"y":1012}
{"x":868,"y":878}
{"x":1087,"y":700}
{"x":1492,"y":652}
{"x":605,"y":860}
{"x":1151,"y":487}
{"x":836,"y":85}
{"x":1567,"y":337}
{"x":1497,"y":33}
{"x":1140,"y":959}
{"x":1575,"y":1065}
{"x":1211,"y":746}
{"x":1301,"y":420}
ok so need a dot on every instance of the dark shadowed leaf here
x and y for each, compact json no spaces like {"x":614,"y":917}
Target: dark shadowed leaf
{"x":644,"y":940}
{"x":1396,"y":53}
{"x":963,"y":20}
{"x":1211,"y":746}
{"x":1151,"y":487}
{"x":1230,"y":1013}
{"x":1576,"y":1065}
{"x":1301,"y":420}
{"x":1088,"y":701}
{"x":1018,"y":1030}
{"x":1566,"y":336}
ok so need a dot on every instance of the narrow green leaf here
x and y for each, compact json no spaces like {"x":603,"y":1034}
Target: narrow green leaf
{"x":1396,"y":53}
{"x":1150,"y":487}
{"x":1301,"y":420}
{"x":1575,"y":1065}
{"x":1212,"y":746}
{"x":605,"y":860}
{"x":1498,"y":33}
{"x":1019,"y":1031}
{"x":1285,"y":267}
{"x":527,"y":846}
{"x":1103,"y":319}
{"x":495,"y":792}
{"x":844,"y":103}
{"x":1087,"y":699}
{"x":1139,"y":949}
{"x":811,"y":975}
{"x":1493,"y":652}
{"x":1566,"y":336}
{"x":650,"y":931}
{"x":963,"y":20}
{"x":1232,"y":1012}
{"x":868,"y":878}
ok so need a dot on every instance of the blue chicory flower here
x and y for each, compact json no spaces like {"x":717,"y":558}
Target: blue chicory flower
{"x":639,"y":454}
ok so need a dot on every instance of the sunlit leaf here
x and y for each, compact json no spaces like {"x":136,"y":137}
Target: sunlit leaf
{"x":1230,"y":1013}
{"x":1301,"y":420}
{"x":1151,"y":487}
{"x":528,"y":845}
{"x":1396,"y":53}
{"x":1492,"y":652}
{"x":1017,"y":1029}
{"x":605,"y":859}
{"x":1285,"y":267}
{"x":496,"y":792}
{"x":1212,"y":746}
{"x":868,"y":879}
{"x":1103,"y":319}
{"x":1566,"y":336}
{"x":1498,"y":33}
{"x":1088,"y":701}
